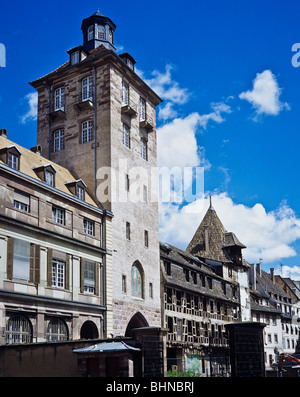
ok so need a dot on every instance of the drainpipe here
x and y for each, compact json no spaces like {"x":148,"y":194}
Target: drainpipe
{"x":104,"y":212}
{"x":49,"y":122}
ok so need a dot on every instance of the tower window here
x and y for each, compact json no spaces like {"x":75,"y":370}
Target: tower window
{"x":90,"y":32}
{"x":87,"y":131}
{"x":128,"y":230}
{"x":100,"y":32}
{"x":87,"y":89}
{"x":142,"y":109}
{"x":58,"y":140}
{"x":136,"y":281}
{"x":125,"y":92}
{"x":126,"y":136}
{"x":59,"y":99}
{"x":110,"y":36}
{"x":146,"y":238}
{"x":144,"y":149}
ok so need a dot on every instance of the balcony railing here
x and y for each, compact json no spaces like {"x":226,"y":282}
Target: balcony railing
{"x":147,"y":123}
{"x":129,"y":107}
{"x":85,"y":100}
{"x":56,"y":112}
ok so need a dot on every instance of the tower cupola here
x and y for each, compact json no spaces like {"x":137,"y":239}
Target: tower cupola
{"x":97,"y":30}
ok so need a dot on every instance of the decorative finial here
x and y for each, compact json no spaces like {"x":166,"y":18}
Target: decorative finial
{"x":210,"y":203}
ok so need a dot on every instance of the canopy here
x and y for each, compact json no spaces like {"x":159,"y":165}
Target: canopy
{"x":104,"y":347}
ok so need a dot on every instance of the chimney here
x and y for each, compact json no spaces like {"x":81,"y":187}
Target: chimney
{"x":36,"y":149}
{"x":253,"y":276}
{"x":3,"y":132}
{"x":258,"y":269}
{"x":272,"y":275}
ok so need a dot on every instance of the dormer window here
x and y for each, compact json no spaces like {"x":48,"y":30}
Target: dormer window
{"x":47,"y":174}
{"x":77,"y":54}
{"x":75,"y":58}
{"x":11,"y":156}
{"x":128,"y":59}
{"x":13,"y":161}
{"x":49,"y":178}
{"x":77,"y":188}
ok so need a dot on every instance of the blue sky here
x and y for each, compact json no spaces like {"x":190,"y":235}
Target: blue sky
{"x":231,"y":94}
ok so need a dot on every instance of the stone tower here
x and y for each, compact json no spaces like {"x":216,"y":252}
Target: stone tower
{"x":96,"y":117}
{"x":222,"y":250}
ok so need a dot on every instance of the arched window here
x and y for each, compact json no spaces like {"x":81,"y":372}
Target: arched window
{"x":110,"y":36}
{"x":90,"y":32}
{"x":100,"y":32}
{"x":57,"y":331}
{"x":18,"y":330}
{"x":137,"y":280}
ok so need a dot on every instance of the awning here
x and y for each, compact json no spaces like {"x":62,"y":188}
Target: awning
{"x":103,"y":347}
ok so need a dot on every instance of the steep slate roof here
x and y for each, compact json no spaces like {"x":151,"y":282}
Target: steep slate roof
{"x":182,"y":260}
{"x":211,"y":238}
{"x":91,"y":55}
{"x":30,"y":160}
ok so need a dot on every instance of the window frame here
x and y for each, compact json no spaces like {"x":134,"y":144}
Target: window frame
{"x":142,"y":109}
{"x":87,"y":89}
{"x":87,"y":131}
{"x":89,"y":283}
{"x":13,"y":161}
{"x":125,"y":93}
{"x":144,"y":149}
{"x":58,"y":140}
{"x":49,"y":178}
{"x":126,"y":136}
{"x":89,"y":227}
{"x":59,"y":99}
{"x":21,"y":262}
{"x":58,"y":215}
{"x":58,"y":273}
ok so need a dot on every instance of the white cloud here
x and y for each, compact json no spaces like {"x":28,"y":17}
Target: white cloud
{"x":267,"y":235}
{"x":177,"y":143}
{"x":292,"y":272}
{"x":31,"y":100}
{"x":264,"y":96}
{"x":167,"y":88}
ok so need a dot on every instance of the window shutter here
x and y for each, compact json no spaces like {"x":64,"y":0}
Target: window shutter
{"x":97,"y":266}
{"x":10,"y":258}
{"x":49,"y":267}
{"x":31,"y":265}
{"x":67,"y":275}
{"x":37,"y":261}
{"x":81,"y":275}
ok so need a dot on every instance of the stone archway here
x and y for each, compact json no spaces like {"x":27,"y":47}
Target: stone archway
{"x":137,"y":321}
{"x":89,"y":330}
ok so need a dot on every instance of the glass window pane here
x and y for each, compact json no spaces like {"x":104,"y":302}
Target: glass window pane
{"x":21,"y":259}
